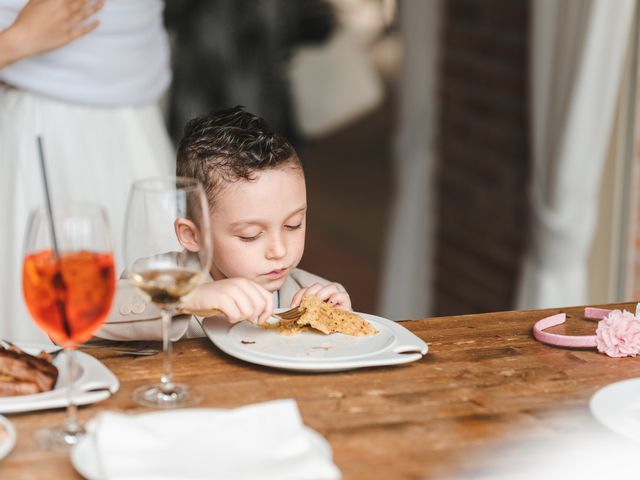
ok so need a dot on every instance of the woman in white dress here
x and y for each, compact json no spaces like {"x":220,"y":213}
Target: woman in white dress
{"x":87,"y":76}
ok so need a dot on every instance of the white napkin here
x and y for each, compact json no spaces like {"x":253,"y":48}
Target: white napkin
{"x":266,"y":441}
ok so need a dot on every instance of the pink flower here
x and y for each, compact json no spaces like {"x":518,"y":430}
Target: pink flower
{"x":618,"y":334}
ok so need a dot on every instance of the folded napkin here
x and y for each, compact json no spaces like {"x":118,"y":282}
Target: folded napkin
{"x":266,"y":441}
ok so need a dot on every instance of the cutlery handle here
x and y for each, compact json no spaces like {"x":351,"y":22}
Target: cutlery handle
{"x":205,"y":312}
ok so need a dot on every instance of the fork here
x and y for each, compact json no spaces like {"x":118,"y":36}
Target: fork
{"x":292,"y":314}
{"x":289,"y":315}
{"x":125,"y":350}
{"x":142,"y":352}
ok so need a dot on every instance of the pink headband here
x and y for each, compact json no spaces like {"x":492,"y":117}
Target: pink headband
{"x":617,"y":334}
{"x":571,"y":341}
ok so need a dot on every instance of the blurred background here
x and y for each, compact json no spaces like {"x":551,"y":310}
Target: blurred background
{"x":461,"y":155}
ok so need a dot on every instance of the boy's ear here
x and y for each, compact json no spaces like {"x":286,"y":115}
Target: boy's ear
{"x":187,"y":234}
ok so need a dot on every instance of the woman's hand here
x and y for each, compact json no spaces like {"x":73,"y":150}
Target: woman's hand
{"x":237,"y":298}
{"x":44,"y":25}
{"x":330,"y":293}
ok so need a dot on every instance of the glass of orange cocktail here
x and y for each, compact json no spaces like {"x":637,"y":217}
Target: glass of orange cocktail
{"x":68,"y":287}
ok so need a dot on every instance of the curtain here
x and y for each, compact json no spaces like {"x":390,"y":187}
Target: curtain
{"x":405,"y":289}
{"x":577,"y":57}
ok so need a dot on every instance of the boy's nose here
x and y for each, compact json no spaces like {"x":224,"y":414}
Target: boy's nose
{"x":276,"y":249}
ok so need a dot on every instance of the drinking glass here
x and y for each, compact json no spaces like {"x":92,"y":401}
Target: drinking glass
{"x":163,"y":269}
{"x":68,"y":287}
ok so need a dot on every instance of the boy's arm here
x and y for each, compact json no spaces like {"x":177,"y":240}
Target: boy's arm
{"x":237,"y":299}
{"x":133,"y":318}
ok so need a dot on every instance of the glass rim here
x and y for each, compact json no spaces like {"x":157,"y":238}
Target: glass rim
{"x":159,"y":184}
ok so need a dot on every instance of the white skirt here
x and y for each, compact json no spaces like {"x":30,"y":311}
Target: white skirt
{"x":93,"y":154}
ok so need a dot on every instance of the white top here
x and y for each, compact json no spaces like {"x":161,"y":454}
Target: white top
{"x":125,"y":61}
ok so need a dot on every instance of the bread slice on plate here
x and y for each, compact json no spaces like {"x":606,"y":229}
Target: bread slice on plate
{"x":322,"y":317}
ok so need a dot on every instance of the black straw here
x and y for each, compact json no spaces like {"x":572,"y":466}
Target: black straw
{"x":58,"y":280}
{"x":47,"y":195}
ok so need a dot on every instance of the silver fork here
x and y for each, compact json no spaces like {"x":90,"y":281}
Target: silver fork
{"x":292,"y":314}
{"x":141,"y":352}
{"x":125,"y":350}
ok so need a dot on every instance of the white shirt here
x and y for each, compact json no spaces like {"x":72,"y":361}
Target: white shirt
{"x":125,"y":61}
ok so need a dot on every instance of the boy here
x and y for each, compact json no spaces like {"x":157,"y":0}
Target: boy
{"x":256,"y":192}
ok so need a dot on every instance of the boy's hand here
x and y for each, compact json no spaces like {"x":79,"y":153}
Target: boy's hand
{"x":330,"y":293}
{"x":237,"y":298}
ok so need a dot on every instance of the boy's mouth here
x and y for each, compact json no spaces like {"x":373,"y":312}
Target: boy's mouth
{"x":276,"y":273}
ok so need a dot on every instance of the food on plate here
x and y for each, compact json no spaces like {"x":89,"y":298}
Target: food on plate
{"x":22,"y":374}
{"x":319,"y":316}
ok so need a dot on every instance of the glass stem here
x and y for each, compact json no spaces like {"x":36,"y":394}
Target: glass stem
{"x":71,"y":425}
{"x":167,"y":380}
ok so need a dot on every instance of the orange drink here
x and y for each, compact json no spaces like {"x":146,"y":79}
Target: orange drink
{"x":68,"y":298}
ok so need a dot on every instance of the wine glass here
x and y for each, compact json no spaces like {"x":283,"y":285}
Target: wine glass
{"x":162,"y":268}
{"x":68,"y":281}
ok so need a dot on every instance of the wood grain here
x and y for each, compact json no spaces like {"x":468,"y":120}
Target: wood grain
{"x":485,"y":381}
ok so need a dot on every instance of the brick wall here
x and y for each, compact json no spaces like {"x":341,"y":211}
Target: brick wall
{"x":483,"y":147}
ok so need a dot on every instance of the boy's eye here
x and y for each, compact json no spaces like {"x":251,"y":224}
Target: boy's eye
{"x":249,"y":239}
{"x":293,"y":227}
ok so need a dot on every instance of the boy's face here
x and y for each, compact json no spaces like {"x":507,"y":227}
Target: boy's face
{"x":258,"y":227}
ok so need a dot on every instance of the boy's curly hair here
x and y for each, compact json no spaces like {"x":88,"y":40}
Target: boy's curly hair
{"x":230,"y":145}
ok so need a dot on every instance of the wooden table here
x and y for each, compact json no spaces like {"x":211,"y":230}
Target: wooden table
{"x":484,"y":381}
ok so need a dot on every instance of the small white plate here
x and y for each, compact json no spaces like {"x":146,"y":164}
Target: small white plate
{"x":316,"y":352}
{"x":94,"y":382}
{"x":7,"y":437}
{"x":86,"y":461}
{"x":617,"y":407}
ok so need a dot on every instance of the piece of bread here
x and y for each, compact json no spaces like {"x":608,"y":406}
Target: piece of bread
{"x":21,"y":373}
{"x":323,"y":317}
{"x":326,"y":318}
{"x":287,"y":327}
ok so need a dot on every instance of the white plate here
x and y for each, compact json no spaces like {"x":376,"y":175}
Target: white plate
{"x":7,"y":437}
{"x":85,"y":459}
{"x":316,"y":352}
{"x":94,"y":382}
{"x":617,"y":407}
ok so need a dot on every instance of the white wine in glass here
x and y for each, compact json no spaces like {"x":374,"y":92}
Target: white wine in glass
{"x":162,"y":269}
